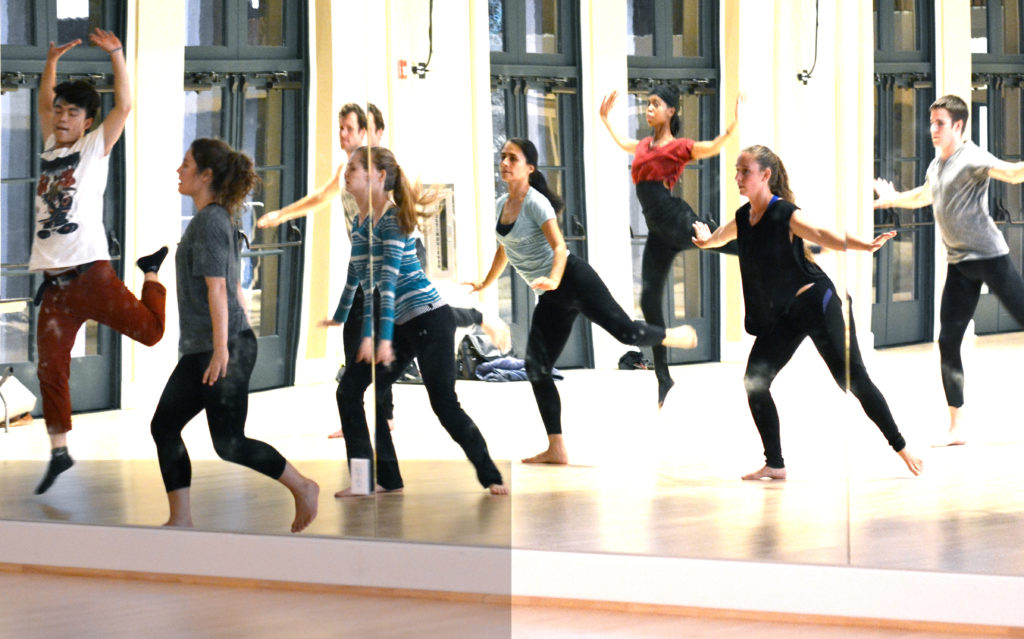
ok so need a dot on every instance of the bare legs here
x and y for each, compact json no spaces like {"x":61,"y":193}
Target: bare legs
{"x":305,"y":491}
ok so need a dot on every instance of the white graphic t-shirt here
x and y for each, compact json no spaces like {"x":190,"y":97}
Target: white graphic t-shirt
{"x":69,"y":204}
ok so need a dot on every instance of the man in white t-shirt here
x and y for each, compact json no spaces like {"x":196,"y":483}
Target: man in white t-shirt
{"x":70,"y":243}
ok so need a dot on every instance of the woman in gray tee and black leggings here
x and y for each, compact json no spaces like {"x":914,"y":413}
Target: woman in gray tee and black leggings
{"x":218,"y":348}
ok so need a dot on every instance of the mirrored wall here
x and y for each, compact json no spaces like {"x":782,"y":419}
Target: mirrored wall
{"x":272,"y":79}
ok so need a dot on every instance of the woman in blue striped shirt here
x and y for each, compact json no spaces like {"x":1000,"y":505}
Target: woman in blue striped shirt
{"x":529,"y":238}
{"x":413,"y":321}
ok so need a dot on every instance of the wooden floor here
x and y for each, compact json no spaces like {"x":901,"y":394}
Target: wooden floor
{"x":44,"y":606}
{"x":641,"y":482}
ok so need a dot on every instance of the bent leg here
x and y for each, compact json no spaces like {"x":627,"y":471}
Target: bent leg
{"x":595,"y":301}
{"x":100,"y":295}
{"x":227,"y":406}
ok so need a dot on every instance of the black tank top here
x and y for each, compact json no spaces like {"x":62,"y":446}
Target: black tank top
{"x":773,"y":267}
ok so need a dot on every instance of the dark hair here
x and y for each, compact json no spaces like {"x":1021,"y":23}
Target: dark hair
{"x":537,"y":179}
{"x":378,"y":117}
{"x":670,"y":96}
{"x":352,"y":107}
{"x":778,"y":183}
{"x":958,"y":110}
{"x":233,"y":172}
{"x":410,"y":198}
{"x":80,"y":93}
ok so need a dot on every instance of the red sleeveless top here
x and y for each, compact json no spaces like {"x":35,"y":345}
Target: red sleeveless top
{"x":662,"y":163}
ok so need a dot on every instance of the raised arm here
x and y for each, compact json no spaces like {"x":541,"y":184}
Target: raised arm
{"x":705,"y":239}
{"x":312,"y":203}
{"x":626,"y":144}
{"x":1012,"y":172}
{"x":47,"y":82}
{"x":888,"y":197}
{"x":711,"y":148}
{"x":497,"y":268}
{"x":801,"y":226}
{"x":113,"y":123}
{"x":557,"y":242}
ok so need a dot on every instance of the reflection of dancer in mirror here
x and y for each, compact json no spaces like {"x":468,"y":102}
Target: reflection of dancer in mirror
{"x":788,"y":297}
{"x":353,"y":127}
{"x":529,"y":238}
{"x":70,"y":244}
{"x":658,"y":162}
{"x":218,"y":348}
{"x":413,"y":321}
{"x":956,"y":185}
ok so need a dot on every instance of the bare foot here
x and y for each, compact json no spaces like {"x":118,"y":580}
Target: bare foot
{"x":955,"y":437}
{"x":498,"y":331}
{"x":338,"y":434}
{"x":170,"y":523}
{"x":306,"y":503}
{"x":549,"y":456}
{"x":915,"y":465}
{"x":347,"y":492}
{"x":380,"y":489}
{"x":680,"y":337}
{"x":498,"y":489}
{"x":766,"y":472}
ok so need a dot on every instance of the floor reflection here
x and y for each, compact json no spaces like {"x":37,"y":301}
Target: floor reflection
{"x":641,"y":482}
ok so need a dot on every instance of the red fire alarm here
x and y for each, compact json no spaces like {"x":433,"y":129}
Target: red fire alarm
{"x":403,"y":69}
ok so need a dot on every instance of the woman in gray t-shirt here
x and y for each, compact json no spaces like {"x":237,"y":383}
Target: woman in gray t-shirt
{"x":530,"y":239}
{"x":218,"y":348}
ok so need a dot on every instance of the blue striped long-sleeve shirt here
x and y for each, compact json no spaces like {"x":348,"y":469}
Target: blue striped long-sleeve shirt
{"x":405,"y":291}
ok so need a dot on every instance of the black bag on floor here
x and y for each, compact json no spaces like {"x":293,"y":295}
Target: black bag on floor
{"x":474,"y":349}
{"x":634,"y":360}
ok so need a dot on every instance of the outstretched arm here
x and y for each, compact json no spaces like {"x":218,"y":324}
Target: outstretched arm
{"x":705,"y":239}
{"x":47,"y":82}
{"x":710,"y":148}
{"x":888,"y":197}
{"x":310,"y":204}
{"x":497,"y":267}
{"x":803,"y":227}
{"x":626,"y":144}
{"x":113,"y":124}
{"x":1012,"y":172}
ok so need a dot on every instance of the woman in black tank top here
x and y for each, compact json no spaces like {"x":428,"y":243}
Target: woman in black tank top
{"x":788,"y":298}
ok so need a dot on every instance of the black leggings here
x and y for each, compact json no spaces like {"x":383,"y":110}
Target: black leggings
{"x":960,"y":299}
{"x":226,"y":404}
{"x":669,"y":232}
{"x":580,"y":291}
{"x":816,"y":313}
{"x":431,"y":339}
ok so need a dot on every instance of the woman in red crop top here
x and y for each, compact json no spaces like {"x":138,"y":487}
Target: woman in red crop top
{"x":788,"y":298}
{"x":657,"y":163}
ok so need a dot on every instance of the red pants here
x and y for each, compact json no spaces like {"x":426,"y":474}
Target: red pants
{"x":96,"y":294}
